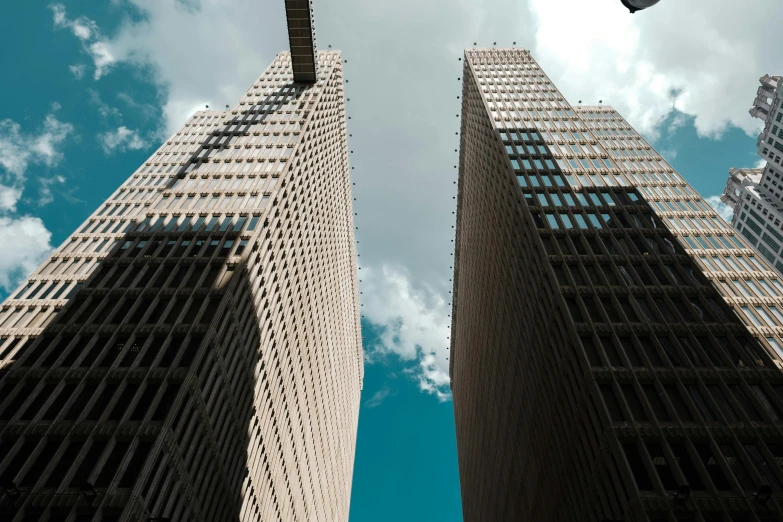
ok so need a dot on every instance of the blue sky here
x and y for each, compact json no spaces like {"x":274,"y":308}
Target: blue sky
{"x":92,"y":88}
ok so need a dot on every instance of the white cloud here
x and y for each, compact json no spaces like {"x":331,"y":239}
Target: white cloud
{"x":378,"y":397}
{"x":9,"y":197}
{"x":415,"y":326}
{"x":83,"y":28}
{"x":700,"y":57}
{"x":677,"y":123}
{"x":161,"y":41}
{"x":104,"y":109}
{"x":89,"y":35}
{"x":145,"y":110}
{"x":25,"y":240}
{"x":760,"y":164}
{"x":723,"y":210}
{"x":121,"y":139}
{"x":78,"y":70}
{"x":102,"y":57}
{"x":45,"y":193}
{"x":45,"y":146}
{"x":18,"y":150}
{"x":26,"y":243}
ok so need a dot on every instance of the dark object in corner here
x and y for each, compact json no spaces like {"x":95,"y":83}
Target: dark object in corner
{"x":638,"y":5}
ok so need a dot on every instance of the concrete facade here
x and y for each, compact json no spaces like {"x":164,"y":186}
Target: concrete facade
{"x":616,"y":346}
{"x":193,"y":351}
{"x":756,"y":195}
{"x":738,"y":178}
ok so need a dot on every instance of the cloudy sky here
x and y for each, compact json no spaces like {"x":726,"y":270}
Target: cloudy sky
{"x":93,"y":87}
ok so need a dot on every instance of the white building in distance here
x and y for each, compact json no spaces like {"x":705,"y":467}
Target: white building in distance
{"x":756,"y":195}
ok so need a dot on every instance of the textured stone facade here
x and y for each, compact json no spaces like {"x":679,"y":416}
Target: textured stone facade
{"x":193,"y":351}
{"x":616,"y":346}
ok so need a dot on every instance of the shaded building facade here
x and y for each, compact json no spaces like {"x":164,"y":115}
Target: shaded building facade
{"x":616,"y":349}
{"x":193,"y":351}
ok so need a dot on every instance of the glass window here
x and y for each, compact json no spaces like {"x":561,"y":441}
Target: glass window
{"x":764,"y":315}
{"x":762,"y":466}
{"x":775,"y":346}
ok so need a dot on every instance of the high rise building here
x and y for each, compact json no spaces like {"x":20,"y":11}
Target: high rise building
{"x":616,"y":349}
{"x":756,"y":194}
{"x":732,"y":194}
{"x":193,"y":351}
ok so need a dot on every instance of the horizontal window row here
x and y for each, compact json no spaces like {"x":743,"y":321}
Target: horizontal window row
{"x":157,"y":175}
{"x":585,"y":164}
{"x":154,"y":276}
{"x":573,"y":219}
{"x":136,"y":195}
{"x":646,"y":309}
{"x":57,"y":266}
{"x":182,"y":248}
{"x":762,"y":316}
{"x":553,"y":137}
{"x":27,"y":317}
{"x":205,"y":184}
{"x":165,"y":173}
{"x":94,"y":245}
{"x":13,"y":343}
{"x":528,"y":119}
{"x":669,"y":191}
{"x":145,"y":309}
{"x":740,"y":263}
{"x":577,"y":149}
{"x":679,"y":205}
{"x":602,"y":198}
{"x":103,"y":351}
{"x":258,"y":151}
{"x":168,"y":223}
{"x":116,"y":209}
{"x":632,"y":153}
{"x":639,"y":164}
{"x":530,"y":164}
{"x":55,"y":461}
{"x":752,"y":287}
{"x":252,"y":201}
{"x":234,"y":136}
{"x":710,"y":242}
{"x":692,"y":402}
{"x":705,"y":466}
{"x":675,"y":350}
{"x":48,"y":289}
{"x":649,"y":273}
{"x":612,"y":244}
{"x":696,"y":223}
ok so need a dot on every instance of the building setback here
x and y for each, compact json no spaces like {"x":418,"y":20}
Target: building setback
{"x":756,"y":195}
{"x":193,"y":351}
{"x":616,"y":349}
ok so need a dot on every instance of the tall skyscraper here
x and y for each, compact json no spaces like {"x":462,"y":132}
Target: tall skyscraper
{"x":616,"y":350}
{"x":193,"y":351}
{"x":756,"y":195}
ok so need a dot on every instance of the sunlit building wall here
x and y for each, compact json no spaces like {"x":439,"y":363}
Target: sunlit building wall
{"x":193,"y":351}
